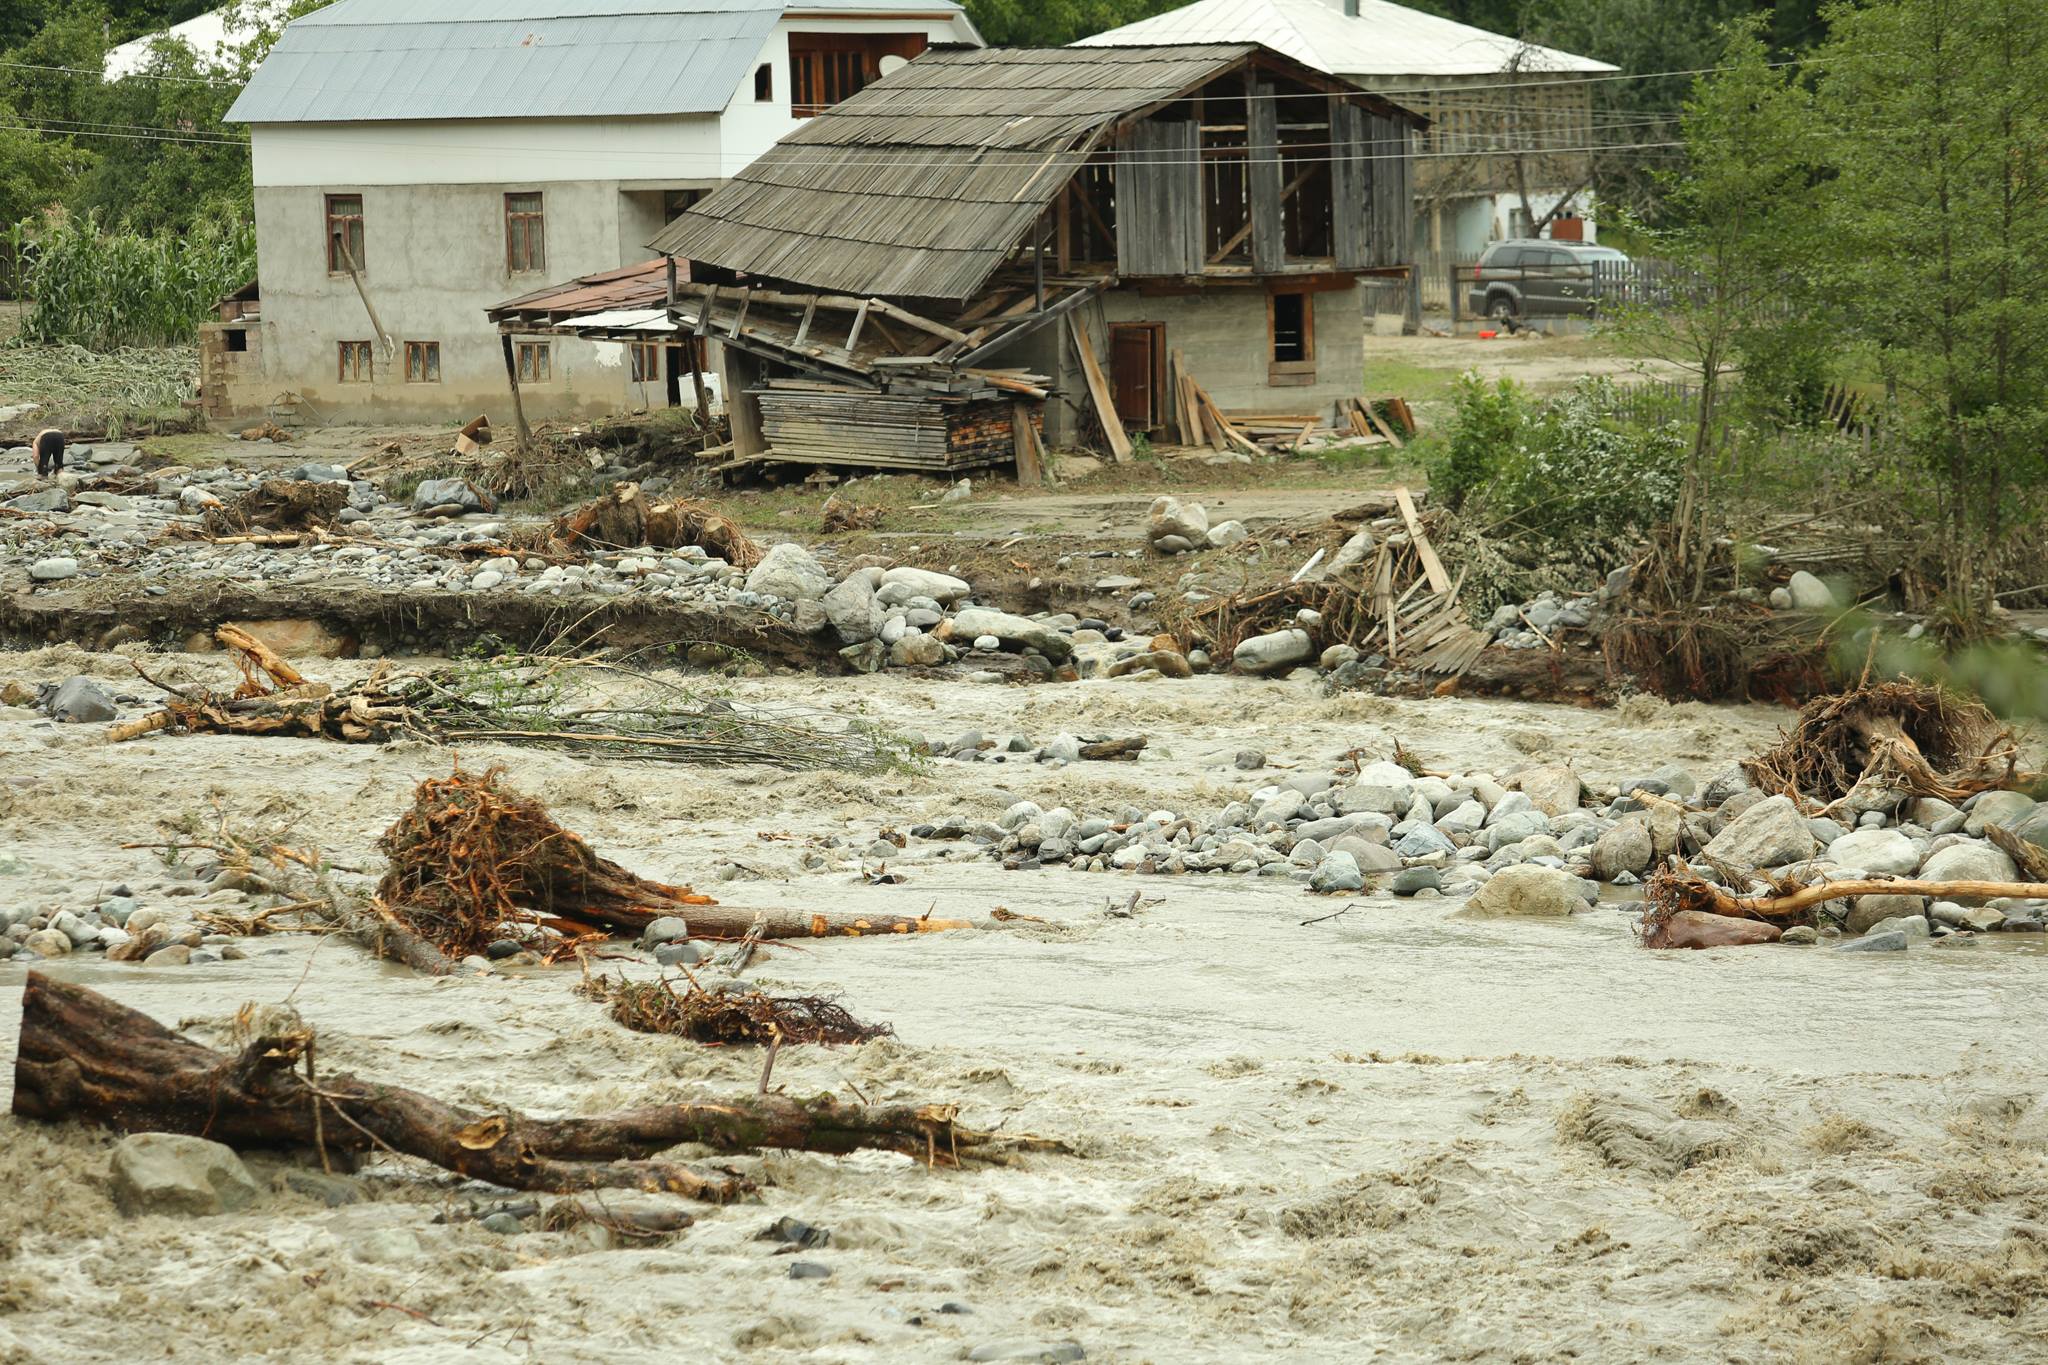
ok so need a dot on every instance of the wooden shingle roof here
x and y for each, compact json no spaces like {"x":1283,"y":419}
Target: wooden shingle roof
{"x":924,"y":183}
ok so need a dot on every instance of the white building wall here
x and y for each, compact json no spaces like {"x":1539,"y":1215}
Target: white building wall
{"x":433,"y":201}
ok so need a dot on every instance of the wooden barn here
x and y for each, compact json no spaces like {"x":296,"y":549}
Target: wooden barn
{"x":990,"y":248}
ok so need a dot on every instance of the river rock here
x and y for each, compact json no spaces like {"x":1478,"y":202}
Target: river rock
{"x":1625,"y":848}
{"x":170,"y":1173}
{"x":1529,"y":890}
{"x":1024,"y":1349}
{"x":1808,"y":593}
{"x":1875,"y":852}
{"x":1337,"y":872}
{"x":81,"y":701}
{"x":1172,"y":517}
{"x":1702,"y":929}
{"x":1912,"y":926}
{"x":942,"y":588}
{"x":47,"y":943}
{"x":1271,"y":653}
{"x":852,"y":609}
{"x":1015,"y":631}
{"x":1869,"y":911}
{"x":790,"y":572}
{"x":42,"y":500}
{"x":432,"y":493}
{"x":1770,"y":833}
{"x":1969,"y":863}
{"x":54,"y":569}
{"x":917,"y":651}
{"x":2009,"y":809}
{"x":1893,"y":941}
{"x":1227,"y":533}
{"x":1167,"y":663}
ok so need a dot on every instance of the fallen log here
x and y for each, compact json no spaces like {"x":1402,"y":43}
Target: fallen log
{"x":84,"y":1058}
{"x":1677,"y":890}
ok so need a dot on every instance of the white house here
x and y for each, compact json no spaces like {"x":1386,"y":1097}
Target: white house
{"x":1506,"y":116}
{"x":415,"y":163}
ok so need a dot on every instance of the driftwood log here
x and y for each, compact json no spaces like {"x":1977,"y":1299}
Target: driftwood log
{"x":85,"y":1058}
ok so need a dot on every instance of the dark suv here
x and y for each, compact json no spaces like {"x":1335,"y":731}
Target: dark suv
{"x":1535,"y":277}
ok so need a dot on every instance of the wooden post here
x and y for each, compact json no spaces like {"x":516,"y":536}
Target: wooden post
{"x":1030,"y":467}
{"x":523,"y":434}
{"x":695,"y":350}
{"x":742,"y":409}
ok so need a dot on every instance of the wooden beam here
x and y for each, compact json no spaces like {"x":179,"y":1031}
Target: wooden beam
{"x":1030,"y":465}
{"x":860,"y":320}
{"x":810,"y":311}
{"x":739,"y":319}
{"x":524,"y":434}
{"x":743,"y":411}
{"x":1439,"y":581}
{"x":1099,"y":391}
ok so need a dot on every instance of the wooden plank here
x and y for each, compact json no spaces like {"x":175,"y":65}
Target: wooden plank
{"x":1269,"y":247}
{"x":1350,"y":185}
{"x":810,"y":314}
{"x":1030,"y":465}
{"x":1431,"y":565}
{"x":860,"y":319}
{"x":742,"y":372}
{"x":1098,"y":391}
{"x":1377,"y":424}
{"x":1159,"y":219}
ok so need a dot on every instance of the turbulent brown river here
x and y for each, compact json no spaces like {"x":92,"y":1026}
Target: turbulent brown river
{"x":1397,"y":1134}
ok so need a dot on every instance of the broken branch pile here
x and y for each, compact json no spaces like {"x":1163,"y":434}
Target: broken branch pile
{"x":626,"y":518}
{"x":727,"y":1016}
{"x":601,"y":709}
{"x":84,"y":1058}
{"x":278,"y":505}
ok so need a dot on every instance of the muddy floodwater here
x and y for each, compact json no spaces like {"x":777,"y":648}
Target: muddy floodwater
{"x":1395,"y":1134}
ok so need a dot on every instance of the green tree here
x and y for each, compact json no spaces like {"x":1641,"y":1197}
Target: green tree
{"x":1937,"y":229}
{"x":1737,"y":218}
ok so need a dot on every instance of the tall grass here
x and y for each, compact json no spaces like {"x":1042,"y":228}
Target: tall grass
{"x":105,"y":290}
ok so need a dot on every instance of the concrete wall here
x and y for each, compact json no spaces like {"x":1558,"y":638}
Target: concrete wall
{"x":434,"y":260}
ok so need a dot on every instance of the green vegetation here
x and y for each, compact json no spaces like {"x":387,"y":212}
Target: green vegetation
{"x":105,"y":290}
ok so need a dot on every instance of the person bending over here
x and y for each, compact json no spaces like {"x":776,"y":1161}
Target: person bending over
{"x":49,"y":453}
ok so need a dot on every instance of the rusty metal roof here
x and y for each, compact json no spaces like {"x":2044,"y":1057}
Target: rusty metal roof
{"x":644,"y":285}
{"x":924,"y":183}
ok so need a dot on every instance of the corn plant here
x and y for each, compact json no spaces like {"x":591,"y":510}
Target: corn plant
{"x":105,"y":290}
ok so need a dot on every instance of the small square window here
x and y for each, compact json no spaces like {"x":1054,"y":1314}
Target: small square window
{"x":646,"y":362}
{"x":764,"y":83}
{"x":422,"y":362}
{"x":536,"y":363}
{"x":355,"y":362}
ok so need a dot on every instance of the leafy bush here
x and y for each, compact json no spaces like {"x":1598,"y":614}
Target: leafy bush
{"x":1577,"y":472}
{"x":1487,"y":421}
{"x":105,"y":290}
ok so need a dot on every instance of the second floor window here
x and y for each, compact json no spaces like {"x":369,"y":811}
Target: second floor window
{"x":344,"y":233}
{"x":525,"y":233}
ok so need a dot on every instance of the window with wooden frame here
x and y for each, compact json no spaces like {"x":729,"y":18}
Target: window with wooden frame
{"x":825,"y":68}
{"x":536,"y":362}
{"x":354,"y":367}
{"x":1291,"y":337}
{"x":646,"y":359}
{"x":764,"y":83}
{"x":345,"y":233}
{"x":526,"y":237}
{"x":422,"y":362}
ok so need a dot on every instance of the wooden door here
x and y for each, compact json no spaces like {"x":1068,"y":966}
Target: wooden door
{"x":1137,"y":366}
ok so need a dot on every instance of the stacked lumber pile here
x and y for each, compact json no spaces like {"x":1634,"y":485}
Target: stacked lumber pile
{"x":1407,"y":604}
{"x":811,"y":421}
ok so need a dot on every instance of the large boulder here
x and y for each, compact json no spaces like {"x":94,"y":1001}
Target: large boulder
{"x":1019,"y":632}
{"x":1870,"y":911}
{"x":1969,"y":862}
{"x":852,"y":609}
{"x":175,"y":1174}
{"x":1770,"y":833}
{"x":1553,"y":788}
{"x":2009,"y":809}
{"x":458,"y":493}
{"x":1337,"y":872}
{"x":1172,"y":517}
{"x":1529,"y":890}
{"x":1875,"y":852}
{"x":790,"y":572}
{"x":1271,"y":653}
{"x":939,"y":587}
{"x":81,"y":701}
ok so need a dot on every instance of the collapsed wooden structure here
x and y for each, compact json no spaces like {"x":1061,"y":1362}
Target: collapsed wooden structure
{"x":992,"y":249}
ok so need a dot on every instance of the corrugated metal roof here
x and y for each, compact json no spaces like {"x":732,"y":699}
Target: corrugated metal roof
{"x":1384,"y":40}
{"x":924,"y":183}
{"x":362,"y":60}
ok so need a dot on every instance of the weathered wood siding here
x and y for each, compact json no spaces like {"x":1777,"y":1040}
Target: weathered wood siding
{"x":1392,"y":202}
{"x":1159,"y":200}
{"x":1351,"y":172}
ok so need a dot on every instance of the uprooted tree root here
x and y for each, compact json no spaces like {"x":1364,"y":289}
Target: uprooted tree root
{"x":1892,"y":740}
{"x":473,"y":861}
{"x":727,"y":1016}
{"x":626,"y":517}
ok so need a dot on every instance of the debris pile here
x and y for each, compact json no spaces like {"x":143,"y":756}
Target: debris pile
{"x":727,"y":1016}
